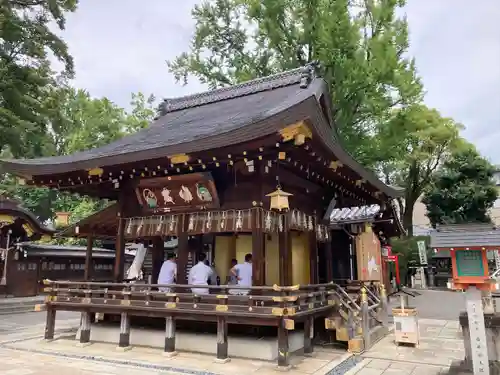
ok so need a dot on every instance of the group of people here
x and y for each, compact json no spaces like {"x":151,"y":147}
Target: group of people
{"x":202,"y":274}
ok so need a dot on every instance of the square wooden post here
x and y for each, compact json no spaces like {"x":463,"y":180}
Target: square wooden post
{"x":158,"y":256}
{"x":285,"y":250}
{"x":327,"y":248}
{"x":120,"y":240}
{"x":258,"y":248}
{"x":88,"y":258}
{"x":182,"y":250}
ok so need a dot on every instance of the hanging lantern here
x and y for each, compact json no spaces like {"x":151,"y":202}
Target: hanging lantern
{"x":62,"y":219}
{"x":279,"y":199}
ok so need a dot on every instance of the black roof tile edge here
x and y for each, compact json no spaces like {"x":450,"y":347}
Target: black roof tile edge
{"x":302,"y":76}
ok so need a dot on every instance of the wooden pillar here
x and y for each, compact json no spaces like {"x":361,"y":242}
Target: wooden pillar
{"x":50,"y":323}
{"x":88,"y":259}
{"x":120,"y":239}
{"x":283,"y":346}
{"x":169,"y":349}
{"x":258,"y":245}
{"x":182,"y":250}
{"x":327,"y":248}
{"x":308,"y":335}
{"x":285,"y":251}
{"x":158,"y":256}
{"x":85,"y":328}
{"x":222,"y":345}
{"x":313,"y":258}
{"x":124,"y":341}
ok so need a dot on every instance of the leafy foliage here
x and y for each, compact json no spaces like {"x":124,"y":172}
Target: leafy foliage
{"x":463,"y":190}
{"x":361,"y":46}
{"x":407,"y":249}
{"x":78,"y":122}
{"x":25,"y":43}
{"x":413,"y":143}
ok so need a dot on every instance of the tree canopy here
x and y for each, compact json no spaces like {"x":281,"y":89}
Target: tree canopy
{"x":78,"y":122}
{"x":462,"y":191}
{"x":361,"y":46}
{"x":412,"y":144}
{"x":26,"y":39}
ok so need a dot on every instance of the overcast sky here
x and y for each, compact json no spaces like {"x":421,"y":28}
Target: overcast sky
{"x":120,"y":46}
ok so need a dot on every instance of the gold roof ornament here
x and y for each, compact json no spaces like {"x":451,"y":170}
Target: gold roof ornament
{"x":279,"y":199}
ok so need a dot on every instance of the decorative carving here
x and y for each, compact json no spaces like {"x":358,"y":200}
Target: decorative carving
{"x":196,"y":191}
{"x":185,"y":194}
{"x":167,"y":198}
{"x":150,"y":198}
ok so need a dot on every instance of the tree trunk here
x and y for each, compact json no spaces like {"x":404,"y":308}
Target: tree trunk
{"x":408,"y":217}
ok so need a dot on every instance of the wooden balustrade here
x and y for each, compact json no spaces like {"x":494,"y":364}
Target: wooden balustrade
{"x":281,"y":307}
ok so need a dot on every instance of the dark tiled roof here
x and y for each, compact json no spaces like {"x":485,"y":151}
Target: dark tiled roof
{"x":191,"y":125}
{"x":465,"y":235}
{"x":211,"y":120}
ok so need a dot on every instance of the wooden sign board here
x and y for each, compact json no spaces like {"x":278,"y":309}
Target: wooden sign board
{"x":469,"y":266}
{"x":195,"y":191}
{"x":369,"y":256}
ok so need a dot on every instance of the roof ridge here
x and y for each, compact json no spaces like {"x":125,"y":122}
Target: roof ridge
{"x":302,"y":76}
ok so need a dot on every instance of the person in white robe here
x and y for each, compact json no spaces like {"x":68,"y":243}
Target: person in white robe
{"x":199,"y":275}
{"x":168,"y":272}
{"x":243,"y":273}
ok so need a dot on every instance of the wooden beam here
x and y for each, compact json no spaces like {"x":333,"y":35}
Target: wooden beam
{"x":88,"y":258}
{"x":158,"y":256}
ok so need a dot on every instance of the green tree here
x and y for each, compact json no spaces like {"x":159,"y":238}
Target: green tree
{"x":26,"y":40}
{"x":360,"y":45}
{"x":78,"y":122}
{"x":412,"y":144}
{"x":462,"y":191}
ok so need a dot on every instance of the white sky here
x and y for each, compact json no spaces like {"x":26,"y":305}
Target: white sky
{"x":120,"y":46}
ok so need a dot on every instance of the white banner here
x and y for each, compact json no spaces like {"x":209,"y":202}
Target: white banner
{"x":422,"y":252}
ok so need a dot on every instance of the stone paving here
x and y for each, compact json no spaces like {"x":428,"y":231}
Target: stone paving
{"x":440,"y":344}
{"x":23,"y":352}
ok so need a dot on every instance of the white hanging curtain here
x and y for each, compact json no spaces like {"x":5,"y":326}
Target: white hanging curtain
{"x":134,"y":272}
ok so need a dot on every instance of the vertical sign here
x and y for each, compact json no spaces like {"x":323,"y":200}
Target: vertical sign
{"x":497,"y":259}
{"x":422,"y":252}
{"x":477,"y":331}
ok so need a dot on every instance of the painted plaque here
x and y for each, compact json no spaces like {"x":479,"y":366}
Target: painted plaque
{"x":195,"y":191}
{"x":368,"y":254}
{"x":469,"y":263}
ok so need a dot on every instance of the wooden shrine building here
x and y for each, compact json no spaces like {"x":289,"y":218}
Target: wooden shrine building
{"x":17,"y":225}
{"x":258,"y":166}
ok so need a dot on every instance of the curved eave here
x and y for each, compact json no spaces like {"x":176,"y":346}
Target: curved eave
{"x":30,"y":218}
{"x":300,"y":105}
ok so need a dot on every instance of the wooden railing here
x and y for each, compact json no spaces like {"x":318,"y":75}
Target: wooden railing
{"x":277,"y":306}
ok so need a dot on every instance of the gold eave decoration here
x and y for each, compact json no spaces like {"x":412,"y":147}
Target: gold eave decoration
{"x":297,"y":132}
{"x":179,"y":158}
{"x":279,"y":199}
{"x":360,"y":182}
{"x":95,"y":172}
{"x":335,"y":164}
{"x":29,"y":231}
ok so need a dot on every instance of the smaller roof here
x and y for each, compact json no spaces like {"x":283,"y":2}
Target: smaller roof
{"x":11,"y":211}
{"x":389,"y":219}
{"x":349,"y":215}
{"x":471,"y":235}
{"x":101,"y":225}
{"x":35,"y":249}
